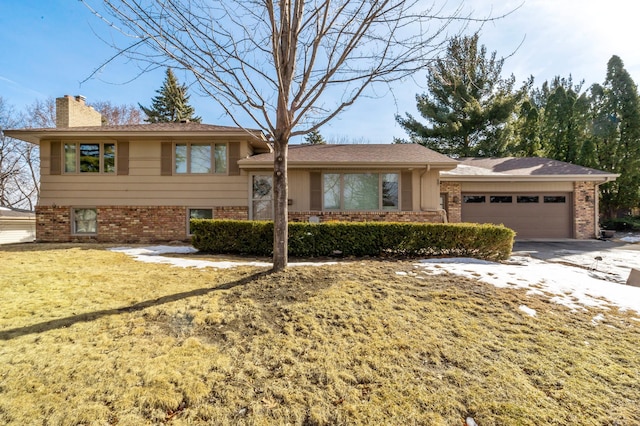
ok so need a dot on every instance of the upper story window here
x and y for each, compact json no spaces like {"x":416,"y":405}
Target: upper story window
{"x":198,"y":158}
{"x":81,"y":157}
{"x":360,"y":191}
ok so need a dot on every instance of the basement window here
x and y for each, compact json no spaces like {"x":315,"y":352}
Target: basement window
{"x":199,"y":214}
{"x":84,"y":221}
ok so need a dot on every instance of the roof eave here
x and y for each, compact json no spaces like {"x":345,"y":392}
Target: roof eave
{"x":528,"y":178}
{"x":248,"y":164}
{"x":36,"y":136}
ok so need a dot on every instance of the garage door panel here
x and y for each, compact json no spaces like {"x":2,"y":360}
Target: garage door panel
{"x":541,"y":215}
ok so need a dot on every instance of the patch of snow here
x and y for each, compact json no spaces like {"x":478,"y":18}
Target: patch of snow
{"x":597,"y":319}
{"x":631,"y":239}
{"x":527,"y":310}
{"x":571,"y":286}
{"x":154,"y":254}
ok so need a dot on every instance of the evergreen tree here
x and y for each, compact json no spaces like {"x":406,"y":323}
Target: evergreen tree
{"x":565,"y":121}
{"x":615,"y":142}
{"x":467,"y":103}
{"x":171,"y":104}
{"x":526,"y":131}
{"x":314,"y":138}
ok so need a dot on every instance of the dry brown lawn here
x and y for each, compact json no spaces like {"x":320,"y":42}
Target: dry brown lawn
{"x":92,"y":337}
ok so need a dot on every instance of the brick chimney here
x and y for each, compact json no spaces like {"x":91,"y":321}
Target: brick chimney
{"x":73,"y":112}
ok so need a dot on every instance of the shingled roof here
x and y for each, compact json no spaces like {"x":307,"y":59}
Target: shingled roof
{"x":530,"y":168}
{"x":366,"y":155}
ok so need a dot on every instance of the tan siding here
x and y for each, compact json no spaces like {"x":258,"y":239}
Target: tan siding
{"x":299,"y":190}
{"x":429,"y":189}
{"x":516,"y":186}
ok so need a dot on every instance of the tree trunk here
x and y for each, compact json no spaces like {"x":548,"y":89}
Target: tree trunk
{"x":280,"y":206}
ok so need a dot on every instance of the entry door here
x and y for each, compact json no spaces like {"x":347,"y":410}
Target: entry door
{"x":262,"y":197}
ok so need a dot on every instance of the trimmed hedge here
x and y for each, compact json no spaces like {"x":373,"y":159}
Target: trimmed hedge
{"x":488,"y":242}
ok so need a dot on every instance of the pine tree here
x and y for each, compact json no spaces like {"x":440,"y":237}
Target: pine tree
{"x":467,"y":103}
{"x":171,"y":104}
{"x":314,"y":138}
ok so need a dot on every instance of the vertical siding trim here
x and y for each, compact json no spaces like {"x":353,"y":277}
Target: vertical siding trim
{"x":406,"y":180}
{"x":234,"y":157}
{"x":122,"y":152}
{"x":315,"y":191}
{"x":166,"y":159}
{"x":55,"y":159}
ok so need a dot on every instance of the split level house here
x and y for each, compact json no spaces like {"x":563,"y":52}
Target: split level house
{"x":142,"y":183}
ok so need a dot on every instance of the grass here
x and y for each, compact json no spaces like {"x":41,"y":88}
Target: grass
{"x":93,"y":337}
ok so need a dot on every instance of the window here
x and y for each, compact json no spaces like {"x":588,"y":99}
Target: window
{"x":199,"y":214}
{"x":468,"y":199}
{"x":85,"y":221}
{"x":555,"y":199}
{"x":360,"y":191}
{"x":527,"y":199}
{"x":201,"y":158}
{"x":261,"y":197}
{"x":501,"y":199}
{"x":80,"y":157}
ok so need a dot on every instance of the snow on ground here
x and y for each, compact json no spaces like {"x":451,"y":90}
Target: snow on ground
{"x":154,"y":255}
{"x":582,"y":279}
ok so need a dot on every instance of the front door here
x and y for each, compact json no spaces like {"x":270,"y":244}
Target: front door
{"x":262,"y":197}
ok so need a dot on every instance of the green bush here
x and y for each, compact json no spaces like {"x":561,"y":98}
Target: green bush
{"x":489,"y":242}
{"x":628,"y":223}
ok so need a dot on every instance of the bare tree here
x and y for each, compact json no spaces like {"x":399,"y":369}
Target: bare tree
{"x":117,"y":115}
{"x":289,"y":66}
{"x":19,"y":164}
{"x":42,"y":113}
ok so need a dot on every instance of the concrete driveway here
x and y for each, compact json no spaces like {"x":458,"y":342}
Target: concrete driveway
{"x":614,"y":258}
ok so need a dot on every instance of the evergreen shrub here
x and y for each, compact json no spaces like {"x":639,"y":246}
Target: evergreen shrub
{"x":489,"y":242}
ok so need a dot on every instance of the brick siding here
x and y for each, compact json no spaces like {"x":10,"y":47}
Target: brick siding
{"x":584,"y":206}
{"x":115,"y":224}
{"x":453,"y":200}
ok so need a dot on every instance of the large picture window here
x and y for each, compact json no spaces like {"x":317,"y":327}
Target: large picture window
{"x":360,"y":191}
{"x":200,"y":158}
{"x":81,"y":157}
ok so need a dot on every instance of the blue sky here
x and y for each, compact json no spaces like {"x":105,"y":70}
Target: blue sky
{"x":48,"y":47}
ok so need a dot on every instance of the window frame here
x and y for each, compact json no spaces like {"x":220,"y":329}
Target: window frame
{"x":213,"y":150}
{"x":74,"y":221}
{"x":380,"y":195}
{"x":102,"y":157}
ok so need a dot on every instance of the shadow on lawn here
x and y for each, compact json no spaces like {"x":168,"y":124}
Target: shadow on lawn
{"x":91,"y":316}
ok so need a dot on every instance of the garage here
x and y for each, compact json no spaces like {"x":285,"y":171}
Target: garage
{"x":531,"y":215}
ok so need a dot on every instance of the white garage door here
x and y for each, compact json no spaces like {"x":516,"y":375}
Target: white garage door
{"x":531,"y":215}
